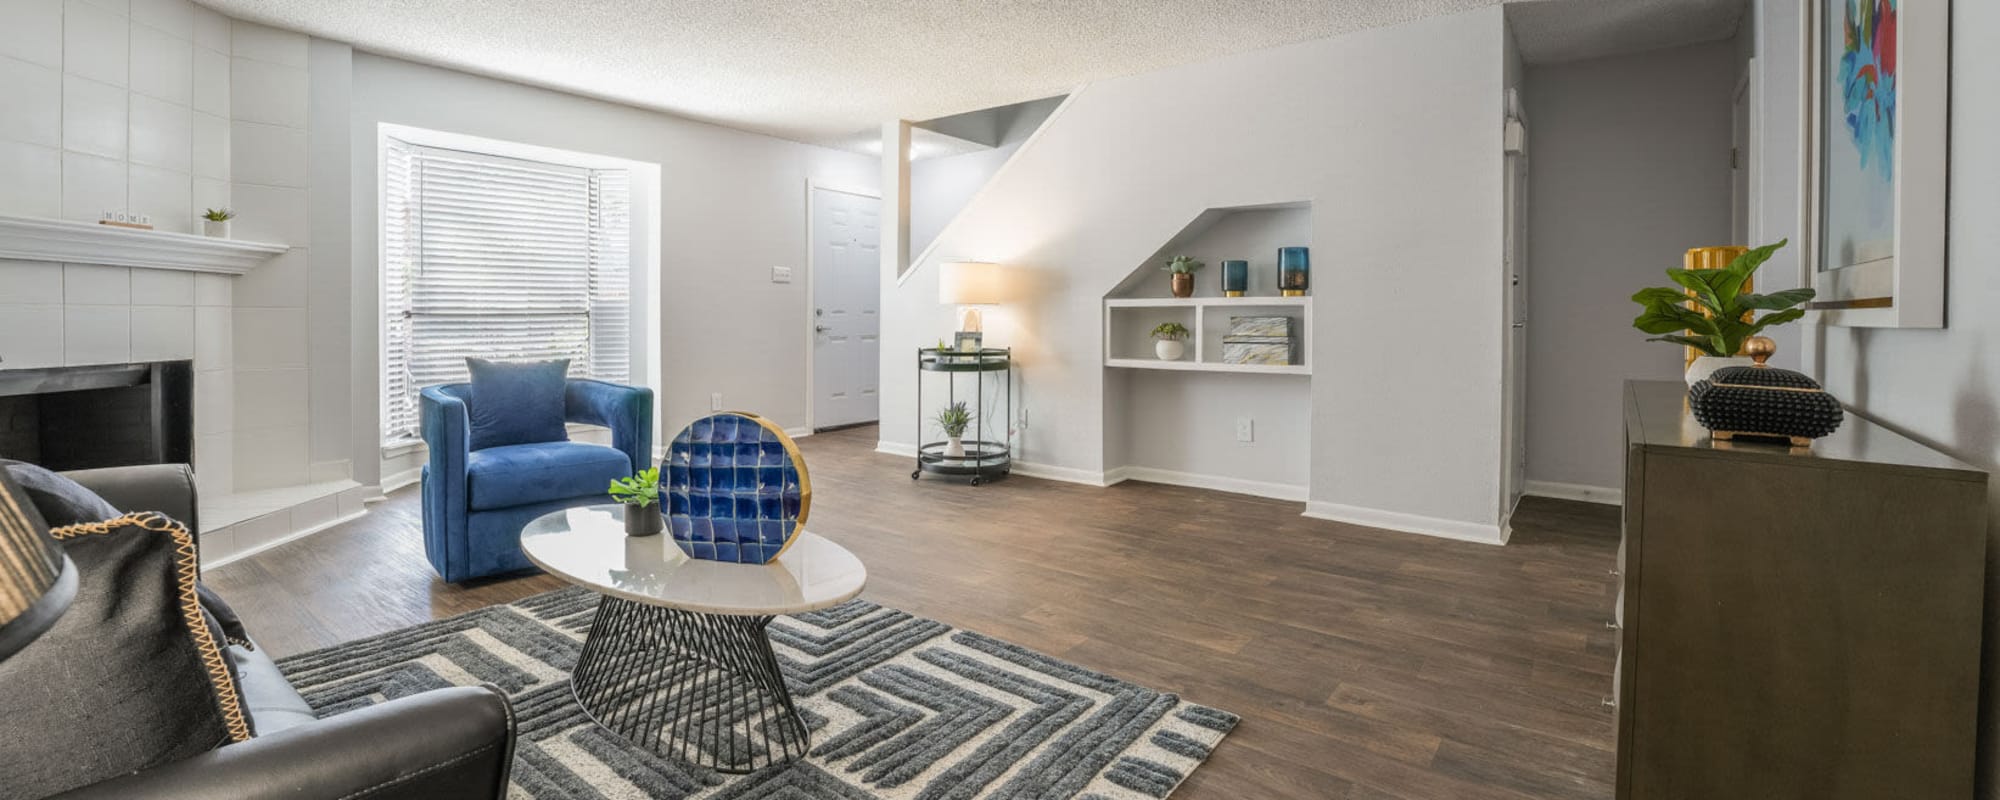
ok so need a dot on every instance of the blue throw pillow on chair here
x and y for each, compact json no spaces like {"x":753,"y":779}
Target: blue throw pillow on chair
{"x":517,"y":402}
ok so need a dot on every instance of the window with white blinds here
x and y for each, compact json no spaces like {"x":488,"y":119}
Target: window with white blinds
{"x":498,"y":258}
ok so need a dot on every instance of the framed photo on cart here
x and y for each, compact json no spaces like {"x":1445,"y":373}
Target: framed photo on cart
{"x":1875,"y":98}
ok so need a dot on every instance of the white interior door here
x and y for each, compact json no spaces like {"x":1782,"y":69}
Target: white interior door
{"x":847,"y":319}
{"x":1514,"y":405}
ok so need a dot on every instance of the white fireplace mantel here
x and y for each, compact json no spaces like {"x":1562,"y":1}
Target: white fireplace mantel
{"x":33,"y":239}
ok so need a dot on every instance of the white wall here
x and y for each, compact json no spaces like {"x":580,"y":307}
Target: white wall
{"x":270,"y":174}
{"x":733,"y":205}
{"x":1939,"y":386}
{"x":1181,"y":426}
{"x":1628,"y":168}
{"x":940,"y":188}
{"x":1393,"y":134}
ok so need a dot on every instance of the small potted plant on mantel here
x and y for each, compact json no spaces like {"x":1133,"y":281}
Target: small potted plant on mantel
{"x":640,"y":494}
{"x":1168,"y":341}
{"x":1183,"y":269}
{"x":215,"y":223}
{"x":953,"y":420}
{"x":1726,"y":318}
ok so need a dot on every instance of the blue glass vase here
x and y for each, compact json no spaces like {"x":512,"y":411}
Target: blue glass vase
{"x":1293,"y":266}
{"x":1235,"y":278}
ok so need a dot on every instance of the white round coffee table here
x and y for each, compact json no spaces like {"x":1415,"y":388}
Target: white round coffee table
{"x":677,"y":659}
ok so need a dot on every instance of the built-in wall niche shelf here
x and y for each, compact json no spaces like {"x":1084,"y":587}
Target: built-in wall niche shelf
{"x":34,"y":239}
{"x":1251,"y":233}
{"x":1129,"y":323}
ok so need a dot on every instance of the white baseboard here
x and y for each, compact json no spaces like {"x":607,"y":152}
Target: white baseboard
{"x":1408,"y":523}
{"x":1575,"y":491}
{"x":1023,"y":468}
{"x":798,"y":433}
{"x":1275,"y":491}
{"x":1064,"y":474}
{"x":398,"y":480}
{"x":290,"y":537}
{"x":1121,"y":474}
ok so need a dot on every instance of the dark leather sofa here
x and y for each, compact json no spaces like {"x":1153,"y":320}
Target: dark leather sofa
{"x":444,"y":744}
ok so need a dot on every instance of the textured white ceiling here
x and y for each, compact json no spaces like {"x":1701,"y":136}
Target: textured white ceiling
{"x":822,"y":71}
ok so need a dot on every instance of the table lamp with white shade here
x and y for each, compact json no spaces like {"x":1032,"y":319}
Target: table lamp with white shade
{"x":969,"y":285}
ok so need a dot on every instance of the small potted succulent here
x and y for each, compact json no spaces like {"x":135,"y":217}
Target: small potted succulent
{"x":953,"y":419}
{"x":1169,"y":341}
{"x":215,"y":222}
{"x":1183,"y":269}
{"x":640,"y":494}
{"x":1726,"y":318}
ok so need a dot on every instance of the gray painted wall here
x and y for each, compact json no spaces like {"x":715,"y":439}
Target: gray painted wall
{"x":1628,"y":168}
{"x":1943,"y":386}
{"x":732,"y":205}
{"x":1394,"y":133}
{"x":940,"y":187}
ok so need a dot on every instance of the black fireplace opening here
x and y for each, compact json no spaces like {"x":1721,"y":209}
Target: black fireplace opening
{"x":99,"y":415}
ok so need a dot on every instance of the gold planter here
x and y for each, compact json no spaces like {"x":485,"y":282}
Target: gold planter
{"x":1711,"y":258}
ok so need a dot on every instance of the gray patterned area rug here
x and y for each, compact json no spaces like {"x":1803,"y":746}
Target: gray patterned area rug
{"x":899,"y":707}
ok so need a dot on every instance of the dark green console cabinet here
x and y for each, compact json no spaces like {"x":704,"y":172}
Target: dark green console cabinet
{"x":1795,"y":623}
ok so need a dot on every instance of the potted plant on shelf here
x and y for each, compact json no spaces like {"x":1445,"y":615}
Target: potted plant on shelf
{"x":953,"y":419}
{"x":1168,"y":341}
{"x":1726,"y":318}
{"x":1183,"y":269}
{"x":215,"y":222}
{"x":640,"y":494}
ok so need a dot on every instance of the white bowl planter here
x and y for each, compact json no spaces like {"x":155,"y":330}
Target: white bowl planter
{"x":1169,"y":349}
{"x":215,"y":230}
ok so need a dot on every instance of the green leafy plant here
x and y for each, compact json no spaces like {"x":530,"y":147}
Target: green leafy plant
{"x":953,"y":419}
{"x":642,"y":489}
{"x":218,"y":215}
{"x":1183,"y":265}
{"x":1726,"y":318}
{"x":1170,"y":331}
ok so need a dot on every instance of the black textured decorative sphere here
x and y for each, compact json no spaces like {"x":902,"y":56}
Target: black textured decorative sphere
{"x":1764,"y":401}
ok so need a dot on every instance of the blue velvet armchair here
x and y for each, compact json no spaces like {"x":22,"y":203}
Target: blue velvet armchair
{"x":477,"y":501}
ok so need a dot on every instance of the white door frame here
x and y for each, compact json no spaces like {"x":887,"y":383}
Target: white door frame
{"x":812,"y":294}
{"x":1514,"y":403}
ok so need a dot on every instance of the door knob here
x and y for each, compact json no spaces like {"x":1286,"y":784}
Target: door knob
{"x":820,"y":328}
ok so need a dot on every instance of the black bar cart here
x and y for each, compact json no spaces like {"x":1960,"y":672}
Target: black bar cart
{"x":984,"y":459}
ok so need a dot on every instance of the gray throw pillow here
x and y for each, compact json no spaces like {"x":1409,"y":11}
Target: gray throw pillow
{"x":130,"y":677}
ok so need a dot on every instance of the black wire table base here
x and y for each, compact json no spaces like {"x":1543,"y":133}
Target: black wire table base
{"x":701,"y":688}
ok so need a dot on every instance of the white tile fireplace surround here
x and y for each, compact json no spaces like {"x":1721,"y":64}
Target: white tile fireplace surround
{"x":248,"y":418}
{"x":165,"y":108}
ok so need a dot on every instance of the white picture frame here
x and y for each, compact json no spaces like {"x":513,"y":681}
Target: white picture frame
{"x":1900,"y":282}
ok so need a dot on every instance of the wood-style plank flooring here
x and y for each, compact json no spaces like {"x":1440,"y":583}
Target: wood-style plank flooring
{"x":1366,"y":663}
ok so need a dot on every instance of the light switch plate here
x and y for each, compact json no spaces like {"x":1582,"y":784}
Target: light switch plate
{"x":781,"y":274}
{"x":715,"y":402}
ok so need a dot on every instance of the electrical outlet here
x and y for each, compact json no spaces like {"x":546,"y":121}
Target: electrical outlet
{"x":1246,"y":429}
{"x":715,"y":402}
{"x":781,"y":274}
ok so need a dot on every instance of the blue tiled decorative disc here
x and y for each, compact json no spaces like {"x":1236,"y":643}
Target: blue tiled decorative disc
{"x":737,"y":489}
